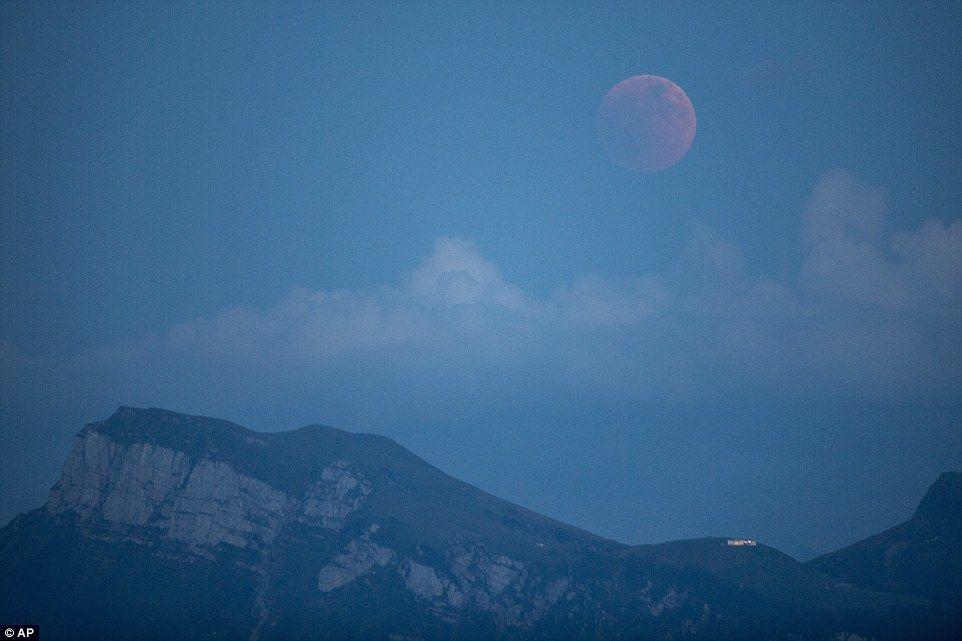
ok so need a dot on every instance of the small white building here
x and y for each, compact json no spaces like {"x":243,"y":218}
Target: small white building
{"x":742,"y":542}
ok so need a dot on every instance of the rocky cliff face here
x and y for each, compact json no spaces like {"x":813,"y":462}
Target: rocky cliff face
{"x":171,"y":526}
{"x":139,"y":490}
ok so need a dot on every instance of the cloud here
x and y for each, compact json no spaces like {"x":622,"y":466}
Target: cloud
{"x":852,"y":262}
{"x":456,"y":274}
{"x":871,"y":311}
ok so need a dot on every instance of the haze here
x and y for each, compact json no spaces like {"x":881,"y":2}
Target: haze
{"x":396,"y":218}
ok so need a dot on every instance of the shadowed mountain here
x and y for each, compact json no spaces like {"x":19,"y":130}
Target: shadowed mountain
{"x":921,"y":557}
{"x":167,"y":526}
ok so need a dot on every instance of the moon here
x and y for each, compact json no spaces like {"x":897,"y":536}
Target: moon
{"x":646,"y":123}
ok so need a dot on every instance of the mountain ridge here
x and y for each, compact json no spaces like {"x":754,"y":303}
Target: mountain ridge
{"x":919,"y":557}
{"x":943,"y":500}
{"x":297,"y":532}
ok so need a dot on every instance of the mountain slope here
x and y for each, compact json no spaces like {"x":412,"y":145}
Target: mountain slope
{"x":921,"y":557}
{"x":170,"y":526}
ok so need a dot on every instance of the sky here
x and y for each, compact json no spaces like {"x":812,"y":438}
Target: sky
{"x":396,"y":218}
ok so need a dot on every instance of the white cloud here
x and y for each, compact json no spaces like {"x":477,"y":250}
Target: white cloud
{"x":456,"y":274}
{"x":852,"y":261}
{"x":870,"y":311}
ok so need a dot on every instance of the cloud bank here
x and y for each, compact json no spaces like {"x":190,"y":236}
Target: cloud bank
{"x":871,"y":312}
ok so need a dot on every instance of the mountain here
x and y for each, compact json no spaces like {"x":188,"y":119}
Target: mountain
{"x":921,"y":557}
{"x":167,"y":526}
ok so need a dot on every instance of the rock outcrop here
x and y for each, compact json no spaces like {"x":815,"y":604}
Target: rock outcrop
{"x":359,"y":557}
{"x":142,"y":489}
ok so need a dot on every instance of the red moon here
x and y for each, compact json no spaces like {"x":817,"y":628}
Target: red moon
{"x":646,"y":123}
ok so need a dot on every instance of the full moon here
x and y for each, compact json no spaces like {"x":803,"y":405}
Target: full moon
{"x":646,"y":123}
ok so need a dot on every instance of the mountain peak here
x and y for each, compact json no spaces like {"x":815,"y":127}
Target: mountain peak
{"x":285,"y":459}
{"x":157,"y":423}
{"x":943,"y":501}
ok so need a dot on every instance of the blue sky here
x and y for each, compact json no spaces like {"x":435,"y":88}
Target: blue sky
{"x":396,"y":218}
